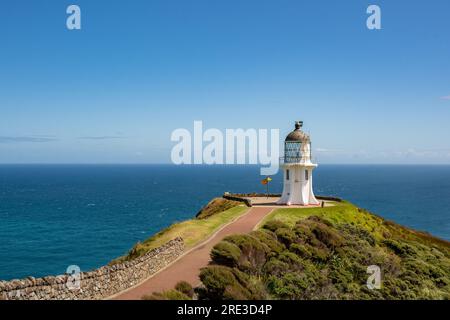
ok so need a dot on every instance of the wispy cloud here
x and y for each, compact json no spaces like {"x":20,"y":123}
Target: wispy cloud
{"x":18,"y":139}
{"x":326,"y":150}
{"x":101,"y":137}
{"x":445,"y":98}
{"x":421,"y":155}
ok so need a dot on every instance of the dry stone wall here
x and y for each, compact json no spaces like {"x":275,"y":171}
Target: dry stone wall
{"x":97,"y":284}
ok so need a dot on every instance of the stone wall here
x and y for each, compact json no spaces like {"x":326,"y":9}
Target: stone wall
{"x":246,"y":197}
{"x":238,"y":198}
{"x":97,"y":284}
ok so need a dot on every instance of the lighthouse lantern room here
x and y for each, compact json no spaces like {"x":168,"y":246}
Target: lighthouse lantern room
{"x":297,"y":169}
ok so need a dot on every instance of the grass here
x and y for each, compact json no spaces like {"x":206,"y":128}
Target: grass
{"x":192,"y":231}
{"x":339,"y":213}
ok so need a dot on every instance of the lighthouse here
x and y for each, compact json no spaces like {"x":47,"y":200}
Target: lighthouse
{"x":297,"y":169}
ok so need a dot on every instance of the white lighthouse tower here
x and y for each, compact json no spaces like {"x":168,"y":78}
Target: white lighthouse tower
{"x":297,"y":168}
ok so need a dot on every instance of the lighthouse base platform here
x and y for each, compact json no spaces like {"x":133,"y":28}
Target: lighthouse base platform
{"x":273,"y":202}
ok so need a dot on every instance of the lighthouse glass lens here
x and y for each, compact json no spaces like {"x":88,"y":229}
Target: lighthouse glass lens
{"x":292,"y":152}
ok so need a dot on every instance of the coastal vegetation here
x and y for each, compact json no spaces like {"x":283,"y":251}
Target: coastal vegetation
{"x":211,"y":218}
{"x":324,"y":253}
{"x":215,"y":206}
{"x":182,"y":291}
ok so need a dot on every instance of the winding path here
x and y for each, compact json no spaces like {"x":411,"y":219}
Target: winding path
{"x":188,"y":266}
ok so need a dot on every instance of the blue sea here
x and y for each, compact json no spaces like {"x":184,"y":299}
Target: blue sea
{"x":53,"y":216}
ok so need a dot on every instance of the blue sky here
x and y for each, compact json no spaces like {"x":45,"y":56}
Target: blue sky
{"x":114,"y":91}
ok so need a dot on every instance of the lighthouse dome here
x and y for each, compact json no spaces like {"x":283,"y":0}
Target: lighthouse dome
{"x":297,"y":135}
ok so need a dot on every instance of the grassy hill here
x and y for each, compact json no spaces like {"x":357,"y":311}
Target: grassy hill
{"x":209,"y":219}
{"x":323,"y":253}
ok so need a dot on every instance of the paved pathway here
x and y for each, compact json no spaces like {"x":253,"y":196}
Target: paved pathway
{"x":188,"y":266}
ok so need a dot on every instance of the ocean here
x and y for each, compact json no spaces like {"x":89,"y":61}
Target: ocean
{"x":53,"y":216}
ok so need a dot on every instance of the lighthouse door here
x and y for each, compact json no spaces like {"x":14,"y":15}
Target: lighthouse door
{"x":287,"y":182}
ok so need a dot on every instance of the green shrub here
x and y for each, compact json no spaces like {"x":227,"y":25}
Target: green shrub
{"x":268,"y":238}
{"x":185,"y":288}
{"x":303,"y":231}
{"x":290,"y":286}
{"x":327,"y":235}
{"x":167,"y":295}
{"x":302,"y":250}
{"x":276,"y":267}
{"x":358,"y":233}
{"x":253,"y":252}
{"x":319,"y":254}
{"x":226,"y":253}
{"x":274,"y":225}
{"x":290,"y":258}
{"x":221,"y":282}
{"x":285,"y":236}
{"x":320,"y":220}
{"x":319,"y":259}
{"x":399,"y":248}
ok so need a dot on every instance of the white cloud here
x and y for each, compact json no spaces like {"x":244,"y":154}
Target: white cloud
{"x":410,"y":155}
{"x":17,"y":139}
{"x":101,"y":137}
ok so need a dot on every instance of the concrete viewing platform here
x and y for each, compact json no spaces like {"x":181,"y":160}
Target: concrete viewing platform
{"x":272,"y":202}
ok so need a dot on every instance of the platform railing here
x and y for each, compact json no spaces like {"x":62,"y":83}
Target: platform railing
{"x":296,"y":159}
